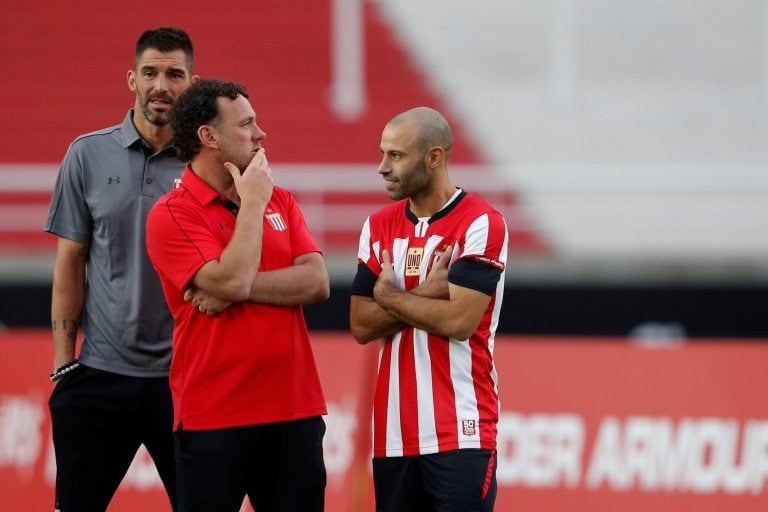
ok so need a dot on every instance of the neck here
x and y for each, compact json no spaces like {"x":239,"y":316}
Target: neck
{"x":158,"y":137}
{"x":432,"y":201}
{"x":216,"y":176}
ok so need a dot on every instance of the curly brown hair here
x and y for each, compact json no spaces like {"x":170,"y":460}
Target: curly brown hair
{"x":197,"y":106}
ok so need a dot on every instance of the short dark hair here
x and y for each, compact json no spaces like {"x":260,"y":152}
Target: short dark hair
{"x":165,"y":39}
{"x":197,"y":106}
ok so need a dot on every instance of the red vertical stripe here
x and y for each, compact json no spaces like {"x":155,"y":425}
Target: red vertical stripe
{"x":409,"y":401}
{"x":488,"y":475}
{"x":443,"y":394}
{"x":487,"y":399}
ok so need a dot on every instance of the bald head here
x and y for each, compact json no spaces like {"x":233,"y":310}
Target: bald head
{"x":431,"y":128}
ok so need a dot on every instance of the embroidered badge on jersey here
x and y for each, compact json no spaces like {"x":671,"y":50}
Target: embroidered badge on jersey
{"x":413,"y":261}
{"x":276,"y":221}
{"x":468,"y":427}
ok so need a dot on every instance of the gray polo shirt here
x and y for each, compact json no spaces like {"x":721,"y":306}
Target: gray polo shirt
{"x":107,"y":183}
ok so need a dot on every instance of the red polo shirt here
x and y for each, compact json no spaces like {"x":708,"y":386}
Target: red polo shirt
{"x":252,"y":363}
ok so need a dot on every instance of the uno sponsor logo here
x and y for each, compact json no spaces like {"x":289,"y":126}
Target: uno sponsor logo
{"x":413,"y":261}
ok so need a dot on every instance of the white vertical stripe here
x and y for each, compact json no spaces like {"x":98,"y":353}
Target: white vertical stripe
{"x":394,"y":429}
{"x":363,"y":248}
{"x":377,"y":251}
{"x":496,"y":313}
{"x":503,"y":255}
{"x":399,"y":256}
{"x":394,"y":446}
{"x":420,"y":229}
{"x":477,"y":236}
{"x":425,"y":397}
{"x":428,"y":440}
{"x":429,"y":248}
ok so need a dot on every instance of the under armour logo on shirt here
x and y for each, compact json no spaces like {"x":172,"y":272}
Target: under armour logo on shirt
{"x":277,"y":222}
{"x":113,"y":179}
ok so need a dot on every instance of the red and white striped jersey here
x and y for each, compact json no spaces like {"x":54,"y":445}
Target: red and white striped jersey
{"x":436,"y":394}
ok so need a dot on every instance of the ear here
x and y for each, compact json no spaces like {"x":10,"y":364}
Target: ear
{"x":208,"y":136}
{"x":195,"y":78}
{"x":435,"y":156}
{"x":132,"y":80}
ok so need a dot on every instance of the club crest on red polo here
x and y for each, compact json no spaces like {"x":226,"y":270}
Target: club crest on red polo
{"x":276,"y":221}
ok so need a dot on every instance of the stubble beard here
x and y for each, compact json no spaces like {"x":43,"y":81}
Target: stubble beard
{"x":411,"y":183}
{"x":158,"y":119}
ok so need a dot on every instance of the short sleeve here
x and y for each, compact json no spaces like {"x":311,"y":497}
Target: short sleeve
{"x":472,"y":274}
{"x":486,"y":240}
{"x":302,"y":241}
{"x":368,"y":265}
{"x":178,"y":243}
{"x":484,"y":254}
{"x":68,"y":214}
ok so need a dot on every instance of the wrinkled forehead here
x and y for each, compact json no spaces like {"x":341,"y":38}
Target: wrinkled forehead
{"x":175,"y":59}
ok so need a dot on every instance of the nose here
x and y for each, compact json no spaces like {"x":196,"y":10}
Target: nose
{"x":258,"y":133}
{"x":161,"y":83}
{"x":383,"y":167}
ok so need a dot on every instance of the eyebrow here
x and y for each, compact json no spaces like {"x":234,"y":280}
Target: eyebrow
{"x":171,"y":69}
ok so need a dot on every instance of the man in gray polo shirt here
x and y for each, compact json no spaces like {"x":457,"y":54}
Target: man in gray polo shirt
{"x":115,"y":396}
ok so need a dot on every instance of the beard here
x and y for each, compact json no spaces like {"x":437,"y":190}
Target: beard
{"x":156,"y":118}
{"x":411,"y":182}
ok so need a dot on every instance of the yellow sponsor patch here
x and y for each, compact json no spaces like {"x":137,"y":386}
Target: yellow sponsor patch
{"x":413,"y":261}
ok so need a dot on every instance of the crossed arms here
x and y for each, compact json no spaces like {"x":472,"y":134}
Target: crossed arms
{"x":234,"y":276}
{"x":304,"y":282}
{"x":436,"y":306}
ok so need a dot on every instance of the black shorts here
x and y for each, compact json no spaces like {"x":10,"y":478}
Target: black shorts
{"x":456,"y":481}
{"x":278,"y":465}
{"x":99,"y":420}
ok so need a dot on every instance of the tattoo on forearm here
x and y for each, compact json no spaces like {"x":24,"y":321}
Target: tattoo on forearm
{"x":71,"y":326}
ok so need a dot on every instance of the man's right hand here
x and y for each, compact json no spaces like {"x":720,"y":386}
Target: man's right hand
{"x":255,"y":183}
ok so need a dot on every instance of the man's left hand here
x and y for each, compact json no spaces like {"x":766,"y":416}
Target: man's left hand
{"x":205,"y":302}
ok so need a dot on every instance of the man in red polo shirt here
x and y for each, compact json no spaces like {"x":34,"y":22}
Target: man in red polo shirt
{"x":237,"y":261}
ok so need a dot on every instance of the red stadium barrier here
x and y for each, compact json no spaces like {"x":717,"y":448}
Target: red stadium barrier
{"x":587,"y":425}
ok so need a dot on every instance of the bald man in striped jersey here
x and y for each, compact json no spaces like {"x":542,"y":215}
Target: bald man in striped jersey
{"x":429,"y":285}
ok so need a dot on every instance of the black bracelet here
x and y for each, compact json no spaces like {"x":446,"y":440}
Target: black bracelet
{"x":64,"y":369}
